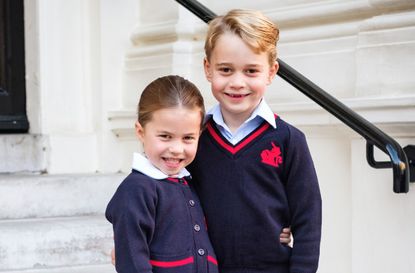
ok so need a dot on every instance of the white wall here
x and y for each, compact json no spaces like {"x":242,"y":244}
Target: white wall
{"x":88,"y":60}
{"x":74,"y":66}
{"x":383,"y":222}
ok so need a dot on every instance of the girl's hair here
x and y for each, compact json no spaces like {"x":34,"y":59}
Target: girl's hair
{"x":253,"y":27}
{"x":169,"y":92}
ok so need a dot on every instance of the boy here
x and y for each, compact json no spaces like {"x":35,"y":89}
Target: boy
{"x":253,"y":171}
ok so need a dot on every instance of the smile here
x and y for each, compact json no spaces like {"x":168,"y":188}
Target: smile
{"x":170,"y":160}
{"x":237,"y":95}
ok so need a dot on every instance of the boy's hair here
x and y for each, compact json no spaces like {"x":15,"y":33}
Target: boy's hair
{"x":253,"y":27}
{"x":169,"y":92}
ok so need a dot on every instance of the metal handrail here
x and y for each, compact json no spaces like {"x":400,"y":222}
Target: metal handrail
{"x":372,"y":134}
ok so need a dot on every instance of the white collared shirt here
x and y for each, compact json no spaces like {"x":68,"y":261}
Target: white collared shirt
{"x":143,"y":165}
{"x":261,"y":113}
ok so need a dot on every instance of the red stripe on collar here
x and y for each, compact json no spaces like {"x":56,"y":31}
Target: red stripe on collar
{"x":177,"y":180}
{"x":234,"y":149}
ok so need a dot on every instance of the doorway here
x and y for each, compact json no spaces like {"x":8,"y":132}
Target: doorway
{"x":13,"y":118}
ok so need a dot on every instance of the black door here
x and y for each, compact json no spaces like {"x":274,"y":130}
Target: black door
{"x":13,"y":117}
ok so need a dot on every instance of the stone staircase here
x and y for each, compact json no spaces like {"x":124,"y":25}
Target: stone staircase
{"x":55,"y":223}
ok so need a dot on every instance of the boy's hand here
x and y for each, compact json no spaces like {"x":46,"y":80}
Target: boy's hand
{"x":113,"y":256}
{"x":285,"y":236}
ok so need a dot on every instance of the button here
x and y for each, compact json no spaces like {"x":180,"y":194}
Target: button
{"x":192,"y":203}
{"x":201,"y":251}
{"x":197,"y":227}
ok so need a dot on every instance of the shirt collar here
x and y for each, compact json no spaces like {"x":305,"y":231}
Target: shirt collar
{"x":143,"y":165}
{"x":262,"y":110}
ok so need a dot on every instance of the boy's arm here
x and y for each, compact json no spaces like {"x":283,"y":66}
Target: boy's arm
{"x":131,"y":212}
{"x":304,"y":199}
{"x":285,"y":238}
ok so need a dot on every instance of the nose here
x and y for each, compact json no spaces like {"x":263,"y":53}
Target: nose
{"x":237,"y":81}
{"x":176,"y":147}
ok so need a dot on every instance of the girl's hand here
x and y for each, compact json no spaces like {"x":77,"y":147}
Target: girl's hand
{"x":286,"y":236}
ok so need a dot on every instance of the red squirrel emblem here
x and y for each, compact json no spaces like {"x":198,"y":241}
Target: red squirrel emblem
{"x":272,"y":157}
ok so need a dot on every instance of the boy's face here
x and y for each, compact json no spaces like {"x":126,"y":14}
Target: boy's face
{"x":238,"y":76}
{"x":170,"y":138}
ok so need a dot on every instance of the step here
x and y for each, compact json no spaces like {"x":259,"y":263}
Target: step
{"x":102,"y":268}
{"x":54,"y":242}
{"x":36,"y":195}
{"x":23,"y":153}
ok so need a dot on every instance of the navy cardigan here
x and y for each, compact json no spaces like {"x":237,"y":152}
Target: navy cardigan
{"x":251,"y":190}
{"x":159,"y":227}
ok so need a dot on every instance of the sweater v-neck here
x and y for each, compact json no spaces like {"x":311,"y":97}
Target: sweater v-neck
{"x":229,"y":147}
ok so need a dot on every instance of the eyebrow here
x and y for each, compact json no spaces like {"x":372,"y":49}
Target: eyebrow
{"x":170,"y":133}
{"x":222,"y":64}
{"x":163,"y":132}
{"x":190,"y":134}
{"x":230,"y":64}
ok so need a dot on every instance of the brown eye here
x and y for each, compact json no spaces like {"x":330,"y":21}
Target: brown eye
{"x":225,"y":70}
{"x":164,"y":136}
{"x":189,"y":138}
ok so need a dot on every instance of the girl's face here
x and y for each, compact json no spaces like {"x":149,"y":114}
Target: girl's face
{"x":238,"y":76}
{"x":170,"y":138}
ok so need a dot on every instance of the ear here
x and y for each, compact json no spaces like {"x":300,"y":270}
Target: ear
{"x":273,"y":71}
{"x":139,"y":131}
{"x":206,"y":66}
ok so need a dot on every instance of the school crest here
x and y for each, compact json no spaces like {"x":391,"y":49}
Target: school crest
{"x":272,"y":157}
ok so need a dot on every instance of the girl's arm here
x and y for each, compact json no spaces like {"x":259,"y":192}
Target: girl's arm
{"x":132,"y":212}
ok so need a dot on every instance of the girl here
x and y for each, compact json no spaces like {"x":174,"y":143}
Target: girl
{"x":157,"y":219}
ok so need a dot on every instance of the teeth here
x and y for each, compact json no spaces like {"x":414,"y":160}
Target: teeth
{"x":237,"y":95}
{"x":172,"y":159}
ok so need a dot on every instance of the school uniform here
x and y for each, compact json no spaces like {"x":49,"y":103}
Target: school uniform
{"x":159,"y":224}
{"x":251,"y":189}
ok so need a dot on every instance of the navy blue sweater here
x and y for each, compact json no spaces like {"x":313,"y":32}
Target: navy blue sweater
{"x":159,"y":227}
{"x":251,"y":190}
